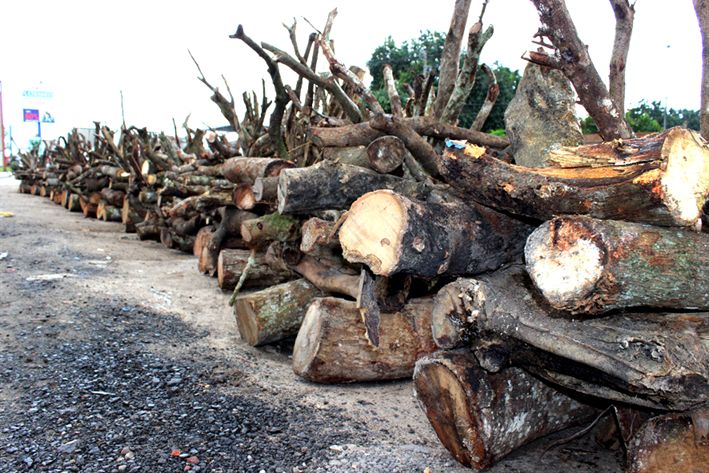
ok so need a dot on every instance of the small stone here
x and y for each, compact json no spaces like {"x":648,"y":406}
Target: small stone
{"x":122,"y":467}
{"x":68,"y":447}
{"x":125,"y":451}
{"x":175,"y":453}
{"x":336,"y":448}
{"x":192,"y":460}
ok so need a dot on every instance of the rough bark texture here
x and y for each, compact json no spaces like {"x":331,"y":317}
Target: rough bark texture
{"x":393,"y":94}
{"x":317,"y":233}
{"x":590,"y":266}
{"x":677,"y":443}
{"x":331,"y":346}
{"x":327,"y":186}
{"x":275,"y":313}
{"x":246,"y":170}
{"x":541,"y":116}
{"x":661,"y":179}
{"x":392,"y":233}
{"x":480,"y":417}
{"x":702,"y":9}
{"x":269,"y":228}
{"x":658,"y":361}
{"x":231,"y":264}
{"x":329,"y":277}
{"x":624,"y":15}
{"x":575,"y":62}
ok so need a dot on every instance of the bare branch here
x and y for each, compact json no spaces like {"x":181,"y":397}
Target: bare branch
{"x":624,"y":15}
{"x":702,"y":9}
{"x":392,"y":92}
{"x":493,"y":91}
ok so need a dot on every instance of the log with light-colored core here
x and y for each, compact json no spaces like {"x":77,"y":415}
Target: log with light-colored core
{"x":373,"y":232}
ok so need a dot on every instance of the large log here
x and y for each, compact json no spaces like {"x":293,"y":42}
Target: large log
{"x":275,"y":313}
{"x":677,"y":443}
{"x":335,"y":186}
{"x":231,"y":265}
{"x":392,"y":233}
{"x":480,"y":417}
{"x":246,"y":170}
{"x":585,"y":265}
{"x":662,"y":179}
{"x":651,"y":360}
{"x":332,"y":347}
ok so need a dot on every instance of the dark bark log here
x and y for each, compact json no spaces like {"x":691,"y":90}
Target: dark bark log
{"x":650,"y":360}
{"x":392,"y":233}
{"x":201,"y":239}
{"x":480,"y":417}
{"x":589,"y":266}
{"x":275,"y":313}
{"x":327,"y":186}
{"x":575,"y":62}
{"x":231,"y":265}
{"x":331,"y":346}
{"x":352,"y":155}
{"x":662,"y":179}
{"x":108,"y":213}
{"x":230,"y":225}
{"x":246,"y":170}
{"x":673,"y":442}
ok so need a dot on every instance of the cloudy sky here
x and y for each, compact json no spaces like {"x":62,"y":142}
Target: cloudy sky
{"x":86,"y":52}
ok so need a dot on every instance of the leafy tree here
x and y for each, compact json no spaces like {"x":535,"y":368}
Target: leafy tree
{"x":648,"y":117}
{"x":418,"y":56}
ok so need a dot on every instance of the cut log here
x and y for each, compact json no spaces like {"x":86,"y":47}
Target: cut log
{"x":201,"y":239}
{"x":231,"y":264}
{"x":275,"y":313}
{"x":650,"y":360}
{"x":662,"y":179}
{"x":332,"y":347}
{"x":72,"y":202}
{"x":676,"y":442}
{"x":113,"y":197}
{"x":352,"y":155}
{"x":585,"y":265}
{"x":386,"y":154}
{"x":335,"y":186}
{"x":246,"y":170}
{"x":265,"y":190}
{"x":391,"y":233}
{"x":230,"y":225}
{"x":243,"y":196}
{"x":329,"y":278}
{"x":132,"y":212}
{"x":108,"y":213}
{"x":480,"y":417}
{"x":271,"y":227}
{"x":317,"y":233}
{"x":204,"y":259}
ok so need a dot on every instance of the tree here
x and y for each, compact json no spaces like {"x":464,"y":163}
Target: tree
{"x":647,"y":117}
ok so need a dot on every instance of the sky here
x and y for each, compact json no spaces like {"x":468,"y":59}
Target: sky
{"x":86,"y":52}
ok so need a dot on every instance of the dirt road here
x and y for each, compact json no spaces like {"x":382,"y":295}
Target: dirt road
{"x":117,"y":355}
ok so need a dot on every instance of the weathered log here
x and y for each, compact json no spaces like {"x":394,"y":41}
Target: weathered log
{"x":329,"y":277}
{"x":585,"y":265}
{"x":275,"y":313}
{"x":332,"y":347}
{"x":231,"y":265}
{"x":89,"y":205}
{"x":387,"y":153}
{"x":243,"y":196}
{"x":205,"y":263}
{"x":317,"y":233}
{"x":420,"y":149}
{"x":132,"y":212}
{"x":480,"y":417}
{"x":265,"y":190}
{"x":352,"y":155}
{"x":113,"y":197}
{"x":335,"y":186}
{"x":662,"y":179}
{"x":108,"y":213}
{"x":186,"y":225}
{"x":676,"y":442}
{"x":72,"y":202}
{"x":201,"y":239}
{"x":657,"y":361}
{"x":230,"y":225}
{"x":391,"y":233}
{"x":246,"y":170}
{"x":149,"y":228}
{"x":271,"y":227}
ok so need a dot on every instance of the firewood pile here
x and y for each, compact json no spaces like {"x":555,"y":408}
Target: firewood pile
{"x":522,"y":300}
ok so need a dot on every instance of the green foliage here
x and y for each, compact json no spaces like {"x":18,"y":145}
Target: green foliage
{"x":649,"y":117}
{"x":498,"y":132}
{"x":409,"y":60}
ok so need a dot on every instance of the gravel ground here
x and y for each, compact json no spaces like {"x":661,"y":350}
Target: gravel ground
{"x":117,"y":355}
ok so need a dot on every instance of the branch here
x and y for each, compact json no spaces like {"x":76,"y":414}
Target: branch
{"x":575,"y":63}
{"x":493,"y":91}
{"x":419,"y":147}
{"x":450,"y":56}
{"x":225,"y":106}
{"x":702,"y":9}
{"x":392,"y":92}
{"x":624,"y":15}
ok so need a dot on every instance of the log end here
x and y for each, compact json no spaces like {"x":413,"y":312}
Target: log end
{"x":565,"y":260}
{"x":246,"y":322}
{"x":307,"y":343}
{"x":685,"y":183}
{"x":373,"y":231}
{"x":453,"y":305}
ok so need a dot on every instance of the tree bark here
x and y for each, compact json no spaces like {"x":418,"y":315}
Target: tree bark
{"x":662,"y":179}
{"x":265,"y":190}
{"x":393,"y":94}
{"x":329,"y":278}
{"x":480,"y":417}
{"x":589,"y":266}
{"x":624,"y":16}
{"x":246,"y":170}
{"x":275,"y":313}
{"x":331,"y":346}
{"x":493,"y":91}
{"x":327,"y":186}
{"x":317,"y":233}
{"x":575,"y":62}
{"x":231,"y":264}
{"x":677,"y":442}
{"x":391,"y":233}
{"x":702,"y":9}
{"x":271,"y":227}
{"x":386,"y":154}
{"x":649,"y":360}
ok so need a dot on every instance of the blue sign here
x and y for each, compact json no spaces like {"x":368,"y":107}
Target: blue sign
{"x":38,"y":94}
{"x":30,"y":114}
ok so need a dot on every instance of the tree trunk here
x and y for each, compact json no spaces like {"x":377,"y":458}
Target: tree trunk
{"x":661,"y":179}
{"x":246,"y":170}
{"x":676,"y":442}
{"x":391,"y":233}
{"x":231,"y":264}
{"x":589,"y":266}
{"x":651,"y":360}
{"x":624,"y":15}
{"x":332,"y":347}
{"x":327,"y":186}
{"x":480,"y":417}
{"x":275,"y":313}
